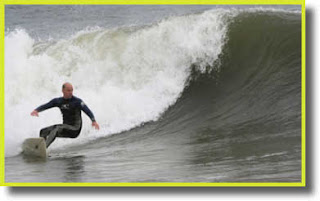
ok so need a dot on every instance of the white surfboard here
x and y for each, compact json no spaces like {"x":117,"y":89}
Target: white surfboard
{"x":35,"y":147}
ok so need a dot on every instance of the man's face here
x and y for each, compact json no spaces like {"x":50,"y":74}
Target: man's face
{"x":67,"y":91}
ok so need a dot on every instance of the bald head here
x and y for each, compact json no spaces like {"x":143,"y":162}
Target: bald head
{"x":67,"y":90}
{"x":67,"y":84}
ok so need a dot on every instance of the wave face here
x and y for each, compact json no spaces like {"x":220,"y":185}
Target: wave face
{"x":214,"y":96}
{"x":258,"y":81}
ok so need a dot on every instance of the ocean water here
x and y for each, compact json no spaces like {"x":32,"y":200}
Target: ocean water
{"x":182,"y":93}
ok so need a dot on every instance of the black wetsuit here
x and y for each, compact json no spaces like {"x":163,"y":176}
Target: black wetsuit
{"x":72,"y":121}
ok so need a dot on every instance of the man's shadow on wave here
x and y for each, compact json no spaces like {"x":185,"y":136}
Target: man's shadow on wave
{"x":310,"y":144}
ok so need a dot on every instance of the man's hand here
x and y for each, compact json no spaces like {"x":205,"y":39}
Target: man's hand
{"x":95,"y":125}
{"x":35,"y":113}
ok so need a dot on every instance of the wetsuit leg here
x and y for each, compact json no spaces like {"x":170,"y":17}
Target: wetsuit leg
{"x":59,"y":130}
{"x":69,"y":133}
{"x":50,"y":133}
{"x":46,"y":131}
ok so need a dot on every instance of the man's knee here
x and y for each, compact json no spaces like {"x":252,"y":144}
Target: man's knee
{"x":46,"y":131}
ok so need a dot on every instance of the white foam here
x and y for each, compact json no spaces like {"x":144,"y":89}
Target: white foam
{"x":126,"y":77}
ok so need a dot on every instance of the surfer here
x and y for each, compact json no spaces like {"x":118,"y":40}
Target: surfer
{"x":70,"y":107}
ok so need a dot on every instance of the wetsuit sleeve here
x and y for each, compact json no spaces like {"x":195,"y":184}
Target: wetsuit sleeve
{"x":86,"y":110}
{"x":50,"y":104}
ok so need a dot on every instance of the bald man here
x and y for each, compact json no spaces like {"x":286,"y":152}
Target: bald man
{"x":70,"y":107}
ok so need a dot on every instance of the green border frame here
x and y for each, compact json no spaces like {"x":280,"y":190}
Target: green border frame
{"x":154,"y":2}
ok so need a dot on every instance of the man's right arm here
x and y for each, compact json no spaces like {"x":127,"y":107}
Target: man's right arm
{"x":53,"y":103}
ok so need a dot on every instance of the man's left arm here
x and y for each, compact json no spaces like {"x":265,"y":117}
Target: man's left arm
{"x":88,"y":112}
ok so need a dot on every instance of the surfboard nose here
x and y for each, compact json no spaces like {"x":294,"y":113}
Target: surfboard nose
{"x":34,"y":147}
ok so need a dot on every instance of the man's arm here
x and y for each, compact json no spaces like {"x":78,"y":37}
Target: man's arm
{"x":88,"y":112}
{"x":50,"y":104}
